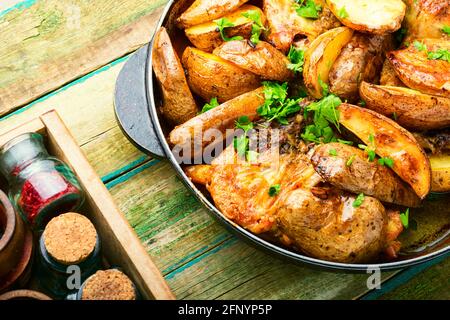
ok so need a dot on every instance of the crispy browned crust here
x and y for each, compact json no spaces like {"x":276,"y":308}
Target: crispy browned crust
{"x":262,"y":59}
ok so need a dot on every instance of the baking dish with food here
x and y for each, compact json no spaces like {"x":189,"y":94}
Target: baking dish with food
{"x":140,"y":112}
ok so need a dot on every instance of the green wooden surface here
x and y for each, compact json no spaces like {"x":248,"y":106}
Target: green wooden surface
{"x":198,"y":257}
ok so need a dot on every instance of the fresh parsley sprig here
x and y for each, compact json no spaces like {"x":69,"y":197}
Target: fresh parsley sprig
{"x":242,"y":143}
{"x":446,"y":29}
{"x":358,"y":201}
{"x":307,"y":9}
{"x":325,"y":113}
{"x":386,"y":161}
{"x":274,"y":190}
{"x":342,"y":13}
{"x":296,"y":58}
{"x":257,"y":26}
{"x":277,"y":106}
{"x":222,"y":24}
{"x":211,"y":105}
{"x":404,"y":218}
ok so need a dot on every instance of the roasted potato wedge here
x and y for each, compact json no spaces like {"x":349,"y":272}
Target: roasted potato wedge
{"x":360,"y":60}
{"x":210,"y":76}
{"x":360,"y":175}
{"x":418,"y":72}
{"x":412,"y":109}
{"x":378,"y":17}
{"x":390,"y":140}
{"x":332,"y":229}
{"x":202,"y":11}
{"x":440,"y":171}
{"x":388,"y":77}
{"x":426,"y":19}
{"x":262,"y":59}
{"x":285,"y":24}
{"x":320,"y":57}
{"x":222,"y":117}
{"x":178,"y":103}
{"x":206,"y":37}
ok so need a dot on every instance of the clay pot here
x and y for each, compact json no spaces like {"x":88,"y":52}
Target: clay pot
{"x":24,"y":295}
{"x":12,"y":236}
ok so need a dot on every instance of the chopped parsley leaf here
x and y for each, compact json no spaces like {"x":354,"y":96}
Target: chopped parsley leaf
{"x":358,"y":201}
{"x":324,"y":86}
{"x":446,"y":29}
{"x":241,"y":143}
{"x":277,"y":106}
{"x":211,"y":105}
{"x":420,"y":46}
{"x":274,"y":190}
{"x":440,"y":54}
{"x":296,"y":57}
{"x":342,"y":13}
{"x":308,"y":9}
{"x":386,"y":161}
{"x":332,"y":152}
{"x":350,"y":160}
{"x":244,"y":123}
{"x":350,"y":143}
{"x":404,"y":218}
{"x":257,"y":26}
{"x":222,"y":24}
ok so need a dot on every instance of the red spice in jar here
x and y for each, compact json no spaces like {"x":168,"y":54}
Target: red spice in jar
{"x":45,"y":188}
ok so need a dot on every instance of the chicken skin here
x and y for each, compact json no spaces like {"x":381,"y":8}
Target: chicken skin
{"x":302,"y":212}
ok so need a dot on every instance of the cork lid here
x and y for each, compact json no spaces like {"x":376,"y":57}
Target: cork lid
{"x":108,"y":285}
{"x":70,"y":238}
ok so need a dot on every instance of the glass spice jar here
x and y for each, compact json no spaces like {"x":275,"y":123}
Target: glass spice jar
{"x":40,"y":186}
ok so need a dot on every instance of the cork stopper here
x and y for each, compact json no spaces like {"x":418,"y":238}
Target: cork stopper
{"x":70,"y":238}
{"x":108,"y":285}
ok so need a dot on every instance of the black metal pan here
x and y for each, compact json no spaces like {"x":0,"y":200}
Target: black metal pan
{"x":137,"y":98}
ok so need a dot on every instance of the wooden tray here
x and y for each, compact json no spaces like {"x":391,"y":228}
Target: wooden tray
{"x":120,"y":245}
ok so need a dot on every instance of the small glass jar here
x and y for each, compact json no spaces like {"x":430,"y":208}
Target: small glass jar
{"x":69,"y":252}
{"x":40,"y":186}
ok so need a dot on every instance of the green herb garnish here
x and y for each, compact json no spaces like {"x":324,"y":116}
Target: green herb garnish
{"x":404,"y":218}
{"x":350,"y":160}
{"x":325,"y":113}
{"x":332,"y":152}
{"x":440,"y":54}
{"x":446,"y":29}
{"x":324,"y":86}
{"x":342,"y":13}
{"x":296,"y":57}
{"x":349,"y":143}
{"x":211,"y":105}
{"x":244,"y":123}
{"x":241,"y":143}
{"x":386,"y":161}
{"x":308,"y":9}
{"x":222,"y":24}
{"x":257,"y":26}
{"x":274,"y":190}
{"x":277,"y":106}
{"x":358,"y":201}
{"x":420,"y":46}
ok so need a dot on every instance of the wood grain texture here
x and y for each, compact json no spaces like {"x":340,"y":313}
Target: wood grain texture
{"x":55,"y":41}
{"x":201,"y":260}
{"x":87,"y":108}
{"x":431,"y":284}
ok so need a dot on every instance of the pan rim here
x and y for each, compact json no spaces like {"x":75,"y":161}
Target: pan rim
{"x":240,"y":231}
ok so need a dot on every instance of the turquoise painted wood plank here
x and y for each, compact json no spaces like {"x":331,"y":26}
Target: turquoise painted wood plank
{"x":7,"y":6}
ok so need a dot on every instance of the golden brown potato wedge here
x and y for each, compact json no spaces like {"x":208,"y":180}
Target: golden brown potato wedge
{"x":373,"y":16}
{"x":412,"y":109}
{"x":202,"y":11}
{"x":390,"y":140}
{"x":440,"y":170}
{"x":206,"y":37}
{"x":360,"y":60}
{"x":418,"y":72}
{"x":320,"y":57}
{"x":426,"y":19}
{"x":388,"y":77}
{"x":262,"y":59}
{"x":360,"y":175}
{"x":178,"y":104}
{"x":285,"y":24}
{"x":220,"y":118}
{"x":210,"y":76}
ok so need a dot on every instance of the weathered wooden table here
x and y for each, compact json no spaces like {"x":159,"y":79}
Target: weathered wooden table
{"x":66,"y":55}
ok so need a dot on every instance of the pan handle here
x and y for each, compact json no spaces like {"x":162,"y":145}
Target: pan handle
{"x":131,"y":106}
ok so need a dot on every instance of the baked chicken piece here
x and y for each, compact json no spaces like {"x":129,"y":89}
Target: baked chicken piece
{"x":303,"y":212}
